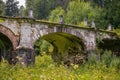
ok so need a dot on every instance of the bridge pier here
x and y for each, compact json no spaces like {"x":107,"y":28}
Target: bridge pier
{"x":25,"y":56}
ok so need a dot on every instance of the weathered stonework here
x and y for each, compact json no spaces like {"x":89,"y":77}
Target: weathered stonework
{"x":25,"y":36}
{"x":13,"y":38}
{"x":24,"y":32}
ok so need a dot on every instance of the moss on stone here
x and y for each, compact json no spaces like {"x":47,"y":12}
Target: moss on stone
{"x":2,"y":20}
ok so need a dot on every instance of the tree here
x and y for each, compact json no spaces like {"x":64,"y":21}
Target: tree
{"x":62,"y":3}
{"x":11,"y":8}
{"x":112,"y":12}
{"x":22,"y":11}
{"x":2,"y":7}
{"x":109,"y":14}
{"x":78,"y":10}
{"x":100,"y":3}
{"x":29,"y":5}
{"x":42,"y":8}
{"x":55,"y":14}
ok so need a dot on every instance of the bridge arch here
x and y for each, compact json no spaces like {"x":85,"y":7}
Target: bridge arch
{"x":79,"y":39}
{"x":64,"y":45}
{"x":8,"y":33}
{"x":40,"y":32}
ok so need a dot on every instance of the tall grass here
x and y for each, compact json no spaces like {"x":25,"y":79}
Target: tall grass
{"x":107,"y":68}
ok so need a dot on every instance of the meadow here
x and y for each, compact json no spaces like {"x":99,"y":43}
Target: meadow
{"x":108,"y":68}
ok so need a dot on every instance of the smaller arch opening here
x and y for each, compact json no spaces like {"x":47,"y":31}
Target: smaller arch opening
{"x":64,"y":47}
{"x":6,"y":47}
{"x":110,"y":44}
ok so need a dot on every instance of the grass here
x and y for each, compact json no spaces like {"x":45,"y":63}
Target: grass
{"x":45,"y":69}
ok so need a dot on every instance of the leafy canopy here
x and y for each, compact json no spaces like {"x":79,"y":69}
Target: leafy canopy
{"x":11,"y":8}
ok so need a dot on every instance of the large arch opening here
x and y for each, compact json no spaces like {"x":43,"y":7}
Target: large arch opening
{"x":63,"y":47}
{"x":6,"y":47}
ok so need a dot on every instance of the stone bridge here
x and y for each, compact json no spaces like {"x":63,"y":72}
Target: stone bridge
{"x":24,"y":32}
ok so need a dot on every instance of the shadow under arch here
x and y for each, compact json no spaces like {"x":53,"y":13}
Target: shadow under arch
{"x":6,"y":47}
{"x":12,"y":37}
{"x":64,"y":44}
{"x":110,"y":44}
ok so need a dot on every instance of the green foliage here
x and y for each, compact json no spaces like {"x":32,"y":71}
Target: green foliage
{"x":99,"y":38}
{"x":2,"y":7}
{"x":22,"y":11}
{"x":29,"y":3}
{"x":115,"y":62}
{"x":77,"y":10}
{"x":99,"y":3}
{"x":62,"y":3}
{"x":111,"y":11}
{"x":60,"y":46}
{"x":107,"y":58}
{"x":64,"y":45}
{"x":46,"y":69}
{"x":117,"y":32}
{"x":1,"y":44}
{"x":11,"y":8}
{"x":1,"y":20}
{"x":42,"y":46}
{"x":54,"y":15}
{"x":102,"y":12}
{"x":81,"y":24}
{"x":42,"y":8}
